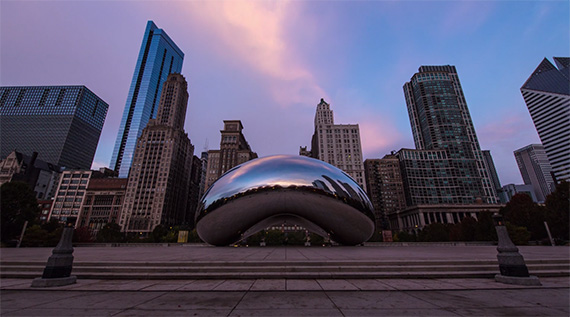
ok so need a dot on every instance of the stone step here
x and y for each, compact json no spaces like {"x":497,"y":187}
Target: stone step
{"x":282,"y":268}
{"x":282,"y":263}
{"x":282,"y":275}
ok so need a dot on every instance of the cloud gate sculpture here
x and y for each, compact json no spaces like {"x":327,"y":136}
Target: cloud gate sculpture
{"x":284,"y":188}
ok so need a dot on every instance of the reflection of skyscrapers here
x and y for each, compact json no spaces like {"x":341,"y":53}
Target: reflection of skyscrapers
{"x":204,"y":169}
{"x":159,"y":181}
{"x":336,"y":144}
{"x":233,"y":151}
{"x":158,"y":57}
{"x":535,"y":170}
{"x":440,"y":120}
{"x":61,"y":123}
{"x":547,"y":96}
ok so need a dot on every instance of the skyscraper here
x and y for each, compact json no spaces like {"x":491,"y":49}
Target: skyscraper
{"x":336,"y":144}
{"x":440,"y":120}
{"x":385,"y":187}
{"x":547,"y":95}
{"x":233,"y":151}
{"x":159,"y":181}
{"x":447,"y":177}
{"x":61,"y":123}
{"x":535,"y":170}
{"x":158,"y":57}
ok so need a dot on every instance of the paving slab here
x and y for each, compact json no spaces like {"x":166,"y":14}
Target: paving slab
{"x":167,"y":286}
{"x":303,"y":285}
{"x":192,"y":301}
{"x":269,"y":285}
{"x":287,"y":312}
{"x":234,"y":285}
{"x":375,"y":312}
{"x":378,"y":300}
{"x":63,"y":312}
{"x":336,"y":285}
{"x":285,"y":300}
{"x":370,"y":285}
{"x":201,"y":285}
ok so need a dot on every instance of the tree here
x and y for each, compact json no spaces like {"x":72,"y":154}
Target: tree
{"x":521,"y":211}
{"x":111,"y":232}
{"x":485,"y":229}
{"x":158,"y":234}
{"x":82,"y":234}
{"x":557,"y":211}
{"x":435,"y":232}
{"x":18,"y":204}
{"x":519,"y":235}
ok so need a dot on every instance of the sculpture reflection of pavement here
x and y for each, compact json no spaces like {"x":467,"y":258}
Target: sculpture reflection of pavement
{"x":283,"y":188}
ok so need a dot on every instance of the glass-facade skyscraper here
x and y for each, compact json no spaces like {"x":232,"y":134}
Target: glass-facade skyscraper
{"x":61,"y":123}
{"x":440,"y":120}
{"x":158,"y":57}
{"x":547,"y":96}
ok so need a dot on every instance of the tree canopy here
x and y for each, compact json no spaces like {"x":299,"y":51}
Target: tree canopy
{"x":18,"y":204}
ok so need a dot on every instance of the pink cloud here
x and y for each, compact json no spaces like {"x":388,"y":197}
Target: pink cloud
{"x":255,"y":34}
{"x":378,"y":137}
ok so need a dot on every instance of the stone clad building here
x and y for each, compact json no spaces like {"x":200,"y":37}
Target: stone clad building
{"x":159,"y":179}
{"x":233,"y":151}
{"x":336,"y":144}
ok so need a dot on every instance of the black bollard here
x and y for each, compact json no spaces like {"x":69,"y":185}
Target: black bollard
{"x":58,"y":268}
{"x":511,"y":263}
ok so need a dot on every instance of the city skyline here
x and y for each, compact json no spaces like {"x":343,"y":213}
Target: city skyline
{"x":270,"y":68}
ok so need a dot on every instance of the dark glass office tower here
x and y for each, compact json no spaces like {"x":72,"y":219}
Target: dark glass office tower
{"x":440,"y":120}
{"x":158,"y":57}
{"x":61,"y":123}
{"x":547,"y":96}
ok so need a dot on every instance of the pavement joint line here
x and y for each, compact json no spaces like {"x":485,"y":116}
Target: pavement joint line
{"x":241,"y":298}
{"x":133,"y":307}
{"x":334,"y":304}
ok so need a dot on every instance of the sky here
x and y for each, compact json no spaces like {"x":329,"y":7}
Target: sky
{"x":268,"y":63}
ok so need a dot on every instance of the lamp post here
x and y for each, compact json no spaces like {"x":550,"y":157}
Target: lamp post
{"x":512,"y":267}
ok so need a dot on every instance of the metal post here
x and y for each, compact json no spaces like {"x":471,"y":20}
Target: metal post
{"x":549,"y":235}
{"x":26,"y":225}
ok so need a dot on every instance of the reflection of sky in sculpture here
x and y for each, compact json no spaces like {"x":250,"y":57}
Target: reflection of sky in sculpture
{"x":284,"y":171}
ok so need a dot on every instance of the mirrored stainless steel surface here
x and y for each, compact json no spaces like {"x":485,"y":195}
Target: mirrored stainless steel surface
{"x":306,"y":190}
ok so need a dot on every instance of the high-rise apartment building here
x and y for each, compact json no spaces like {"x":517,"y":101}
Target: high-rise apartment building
{"x":158,"y":57}
{"x":233,"y":151}
{"x":547,"y":96}
{"x":535,"y":170}
{"x":440,"y":120}
{"x":447,"y":177}
{"x":159,"y":181}
{"x":385,"y":187}
{"x":336,"y":144}
{"x":61,"y":123}
{"x":488,"y":159}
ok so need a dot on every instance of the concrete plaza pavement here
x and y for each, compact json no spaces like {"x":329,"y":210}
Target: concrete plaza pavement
{"x":286,"y":297}
{"x":202,"y":252}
